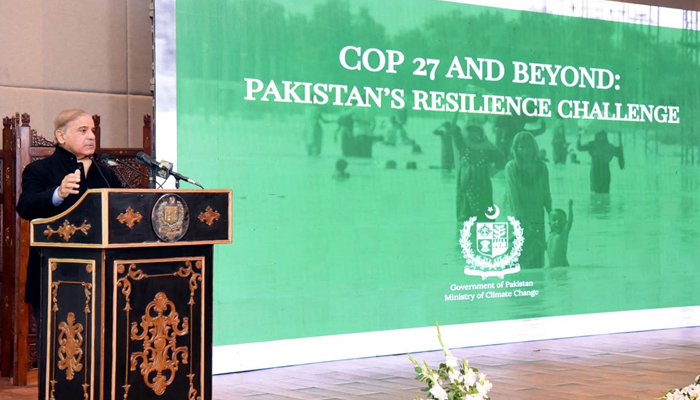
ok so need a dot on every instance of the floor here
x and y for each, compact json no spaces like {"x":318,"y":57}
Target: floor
{"x":641,"y":365}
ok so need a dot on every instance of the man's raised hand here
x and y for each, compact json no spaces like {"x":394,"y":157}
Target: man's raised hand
{"x":69,"y":185}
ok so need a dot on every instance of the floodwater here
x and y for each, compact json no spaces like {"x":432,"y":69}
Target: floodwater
{"x":313,"y":255}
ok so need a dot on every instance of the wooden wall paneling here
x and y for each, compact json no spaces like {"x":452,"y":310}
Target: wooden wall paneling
{"x":20,"y":255}
{"x":7,"y":332}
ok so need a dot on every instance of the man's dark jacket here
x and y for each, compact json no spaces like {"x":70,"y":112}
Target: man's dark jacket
{"x":39,"y":180}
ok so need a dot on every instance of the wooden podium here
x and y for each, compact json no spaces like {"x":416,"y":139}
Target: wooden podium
{"x":127,"y":294}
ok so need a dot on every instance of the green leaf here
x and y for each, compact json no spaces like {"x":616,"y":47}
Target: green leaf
{"x":417,"y":369}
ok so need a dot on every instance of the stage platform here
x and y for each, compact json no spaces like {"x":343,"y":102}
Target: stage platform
{"x":641,"y":365}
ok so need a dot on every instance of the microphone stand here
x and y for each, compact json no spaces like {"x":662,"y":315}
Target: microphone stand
{"x":151,"y":178}
{"x":164,"y":174}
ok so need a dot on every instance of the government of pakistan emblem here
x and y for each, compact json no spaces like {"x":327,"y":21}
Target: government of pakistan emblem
{"x":491,"y":248}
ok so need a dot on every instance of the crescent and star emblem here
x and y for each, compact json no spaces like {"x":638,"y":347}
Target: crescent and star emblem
{"x":491,"y":210}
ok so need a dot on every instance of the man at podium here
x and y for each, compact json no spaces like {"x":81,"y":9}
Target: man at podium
{"x":53,"y":184}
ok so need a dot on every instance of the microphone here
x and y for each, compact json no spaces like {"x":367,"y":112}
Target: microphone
{"x":166,"y":170}
{"x":107,"y":159}
{"x":163,"y":168}
{"x":147,"y":161}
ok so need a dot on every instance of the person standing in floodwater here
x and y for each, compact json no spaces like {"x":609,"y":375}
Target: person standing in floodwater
{"x":401,"y":119}
{"x":476,"y":156}
{"x":559,"y":144}
{"x":313,"y":132}
{"x":447,"y":158}
{"x":528,"y":197}
{"x":345,"y":127}
{"x":602,"y":153}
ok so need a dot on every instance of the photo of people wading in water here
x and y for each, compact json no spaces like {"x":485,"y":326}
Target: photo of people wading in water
{"x":361,"y":179}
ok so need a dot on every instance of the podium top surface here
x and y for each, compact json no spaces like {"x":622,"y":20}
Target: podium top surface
{"x":117,"y":218}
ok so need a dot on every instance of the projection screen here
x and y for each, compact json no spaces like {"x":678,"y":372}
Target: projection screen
{"x":511,"y":174}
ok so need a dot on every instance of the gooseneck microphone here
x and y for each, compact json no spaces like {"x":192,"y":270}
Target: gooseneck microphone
{"x":163,"y":168}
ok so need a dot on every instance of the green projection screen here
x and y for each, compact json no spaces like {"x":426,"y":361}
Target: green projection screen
{"x":514,"y":175}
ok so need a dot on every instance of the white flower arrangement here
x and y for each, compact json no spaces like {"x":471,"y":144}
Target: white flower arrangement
{"x":691,"y":392}
{"x":452,"y":380}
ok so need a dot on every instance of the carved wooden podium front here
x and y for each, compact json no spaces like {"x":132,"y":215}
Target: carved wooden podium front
{"x":127,"y":294}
